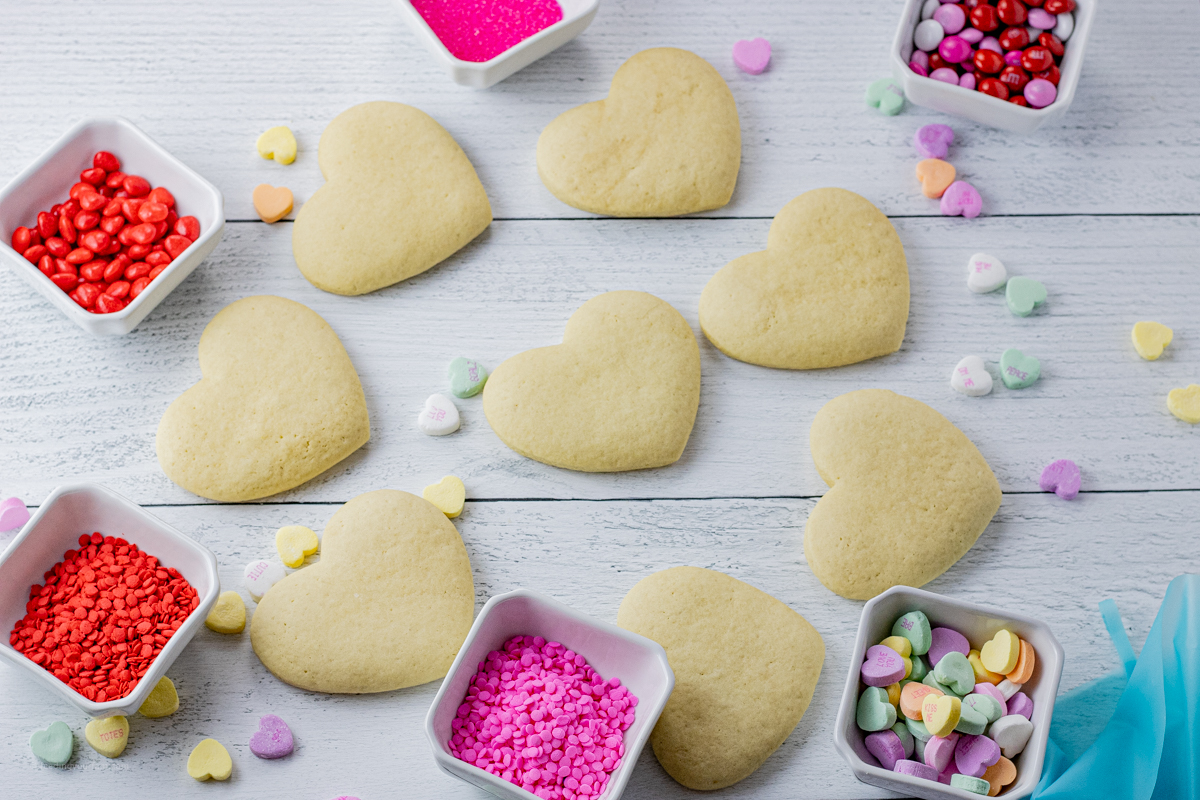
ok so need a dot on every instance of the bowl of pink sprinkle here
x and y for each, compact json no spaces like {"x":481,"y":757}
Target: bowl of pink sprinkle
{"x":482,"y":42}
{"x":543,"y":701}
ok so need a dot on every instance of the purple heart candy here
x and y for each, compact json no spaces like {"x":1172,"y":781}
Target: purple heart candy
{"x":975,"y":754}
{"x":1020,"y":703}
{"x":273,"y":739}
{"x":961,"y":198}
{"x":916,"y":769}
{"x":1062,"y":478}
{"x":949,"y":772}
{"x":933,"y":141}
{"x":885,"y":746}
{"x":883,"y":666}
{"x":946,"y":640}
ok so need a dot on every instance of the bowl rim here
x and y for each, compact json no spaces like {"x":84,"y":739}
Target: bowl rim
{"x":129,"y":703}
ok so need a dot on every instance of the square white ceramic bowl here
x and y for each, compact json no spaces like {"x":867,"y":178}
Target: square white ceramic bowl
{"x":48,"y":180}
{"x":614,"y":652}
{"x":977,"y":106}
{"x":84,"y":508}
{"x":978,"y":624}
{"x":577,"y":15}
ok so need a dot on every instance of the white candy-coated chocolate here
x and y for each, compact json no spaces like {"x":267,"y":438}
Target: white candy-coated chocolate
{"x":971,"y":377}
{"x":928,"y":35}
{"x":929,"y":7}
{"x":261,"y":575}
{"x":439,"y":417}
{"x":985,"y":273}
{"x":1065,"y":26}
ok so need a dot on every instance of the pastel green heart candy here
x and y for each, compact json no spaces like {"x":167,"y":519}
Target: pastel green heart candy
{"x":886,"y":95}
{"x":914,"y":626}
{"x":53,"y":745}
{"x":955,"y":671}
{"x":906,"y":738}
{"x":917,"y":728}
{"x":919,"y":669}
{"x":467,"y":377}
{"x":985,"y":704}
{"x":970,"y":783}
{"x":970,"y":721}
{"x":1019,"y":370}
{"x":931,"y":680}
{"x":1023,"y":295}
{"x":875,"y":713}
{"x":919,"y":749}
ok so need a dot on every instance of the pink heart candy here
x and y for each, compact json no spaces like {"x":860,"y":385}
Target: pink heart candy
{"x":13,"y":514}
{"x":886,"y":747}
{"x":933,"y":141}
{"x":883,"y":666}
{"x":948,"y":773}
{"x":1062,"y":478}
{"x":916,"y":769}
{"x":752,"y":55}
{"x":943,"y":641}
{"x":961,"y":198}
{"x":939,"y":751}
{"x":273,"y":739}
{"x":975,"y":754}
{"x":993,"y":692}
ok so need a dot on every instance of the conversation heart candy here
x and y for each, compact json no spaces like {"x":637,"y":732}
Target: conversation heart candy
{"x":886,"y":747}
{"x":971,"y":722}
{"x":1019,"y":371}
{"x":993,"y":691}
{"x":439,"y":417}
{"x":1026,"y":661}
{"x":277,"y":143}
{"x":467,"y":377}
{"x":948,"y":773}
{"x":955,"y":671}
{"x":936,"y":176}
{"x":906,"y":739}
{"x":261,"y":575}
{"x":752,"y":56}
{"x":918,"y":753}
{"x":987,"y":706}
{"x":1011,"y":733}
{"x":970,"y":783}
{"x":1000,"y":654}
{"x":163,"y":700}
{"x":931,"y":680}
{"x":449,"y":495}
{"x":886,"y":95}
{"x":961,"y":198}
{"x":939,"y":751}
{"x":882,"y":666}
{"x":1185,"y":403}
{"x":912,"y":695}
{"x":228,"y":614}
{"x":940,"y":713}
{"x":1149,"y":339}
{"x":1007,"y":689}
{"x":933,"y":141}
{"x":1062,"y":478}
{"x":55,"y":745}
{"x":914,"y":626}
{"x":918,"y":730}
{"x":893,"y":692}
{"x":1023,"y":295}
{"x":272,"y":203}
{"x":943,"y":641}
{"x":920,"y":668}
{"x":899,"y":644}
{"x":273,"y":739}
{"x":999,"y":775}
{"x":109,"y":736}
{"x":1020,"y":703}
{"x":13,"y":513}
{"x":916,"y":769}
{"x":982,"y":673}
{"x":985,"y":273}
{"x":210,"y":761}
{"x":971,"y":377}
{"x":294,"y":542}
{"x":975,"y":754}
{"x":874,"y":712}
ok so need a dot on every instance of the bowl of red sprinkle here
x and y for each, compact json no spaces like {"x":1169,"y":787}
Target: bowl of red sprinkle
{"x":106,"y":223}
{"x":482,"y":42}
{"x":543,"y":701}
{"x":98,"y":598}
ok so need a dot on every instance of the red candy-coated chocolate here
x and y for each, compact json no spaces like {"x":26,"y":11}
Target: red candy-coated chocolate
{"x":985,"y":18}
{"x":1011,"y":12}
{"x":1059,"y":6}
{"x":994,"y":87}
{"x":1014,"y":39}
{"x":1053,"y":74}
{"x":1019,"y":100}
{"x":1052,"y":43}
{"x":1014,"y":78}
{"x":989,"y":61}
{"x":937,"y":62}
{"x":1037,"y":58}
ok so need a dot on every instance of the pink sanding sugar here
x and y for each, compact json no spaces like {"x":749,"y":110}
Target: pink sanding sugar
{"x":480,"y":30}
{"x":539,"y":717}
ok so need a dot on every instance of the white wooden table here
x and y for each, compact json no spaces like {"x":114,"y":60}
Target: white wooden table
{"x":1105,"y":209}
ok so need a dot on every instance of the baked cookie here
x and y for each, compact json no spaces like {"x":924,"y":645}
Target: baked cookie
{"x":745,"y":669}
{"x":279,"y":403}
{"x":387,"y":606}
{"x":401,"y":196}
{"x":619,"y":393}
{"x":909,"y":494}
{"x":830,"y":289}
{"x":666,"y":141}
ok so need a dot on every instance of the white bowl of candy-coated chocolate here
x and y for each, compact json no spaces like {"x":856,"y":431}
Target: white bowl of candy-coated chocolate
{"x":979,"y":624}
{"x":984,"y":108}
{"x":67,"y":513}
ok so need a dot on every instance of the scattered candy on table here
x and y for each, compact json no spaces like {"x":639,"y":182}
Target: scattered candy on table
{"x":933,"y":141}
{"x":961,"y":198}
{"x":752,"y":56}
{"x":936,"y":176}
{"x":110,"y":239}
{"x":1062,"y":478}
{"x":439,"y":417}
{"x":272,"y":203}
{"x":260,"y":576}
{"x":1023,"y":295}
{"x":480,"y":30}
{"x":1185,"y":403}
{"x":449,"y":495}
{"x":54,"y":745}
{"x":277,"y":143}
{"x":886,"y":95}
{"x":273,"y":739}
{"x":294,"y":543}
{"x":971,"y":377}
{"x":102,"y":617}
{"x":985,"y":273}
{"x":467,"y":377}
{"x":210,"y":761}
{"x":108,"y":736}
{"x":1017,"y":370}
{"x":228,"y":614}
{"x":13,"y":513}
{"x":163,"y":700}
{"x":1149,"y":339}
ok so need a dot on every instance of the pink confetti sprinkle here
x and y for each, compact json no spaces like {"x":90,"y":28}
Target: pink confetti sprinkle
{"x":480,"y":30}
{"x":539,"y":717}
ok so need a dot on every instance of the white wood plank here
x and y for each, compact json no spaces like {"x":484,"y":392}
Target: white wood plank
{"x":72,"y":407}
{"x":1042,"y":556}
{"x":206,"y":78}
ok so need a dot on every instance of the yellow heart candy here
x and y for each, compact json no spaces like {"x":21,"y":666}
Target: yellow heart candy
{"x":448,"y":495}
{"x":982,"y":673}
{"x":1001,"y":653}
{"x":228,"y":615}
{"x":277,"y":143}
{"x":935,"y":176}
{"x":899,"y":644}
{"x":272,"y":203}
{"x":294,"y":542}
{"x":163,"y":700}
{"x":1185,"y":403}
{"x":1149,"y":339}
{"x":210,"y":761}
{"x":941,"y":713}
{"x":894,"y":694}
{"x":108,"y":736}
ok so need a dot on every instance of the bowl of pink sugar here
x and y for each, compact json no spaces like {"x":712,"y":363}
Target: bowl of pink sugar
{"x":482,"y":42}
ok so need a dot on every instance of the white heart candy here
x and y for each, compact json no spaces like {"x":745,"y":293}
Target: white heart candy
{"x":439,"y":417}
{"x":1008,"y":688}
{"x":971,"y":377}
{"x":985,"y":273}
{"x":1011,"y":733}
{"x":260,"y":576}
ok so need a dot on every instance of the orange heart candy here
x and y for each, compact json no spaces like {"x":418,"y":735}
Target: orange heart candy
{"x":274,"y":203}
{"x":999,"y":775}
{"x":935,"y":176}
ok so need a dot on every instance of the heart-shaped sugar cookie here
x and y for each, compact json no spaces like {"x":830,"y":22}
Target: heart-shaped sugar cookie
{"x":279,"y":404}
{"x":666,"y":141}
{"x":53,"y":745}
{"x":163,"y":700}
{"x":909,"y":494}
{"x":1185,"y":403}
{"x":210,"y":761}
{"x":830,"y":289}
{"x":272,"y":203}
{"x":449,"y":494}
{"x":228,"y":615}
{"x":1149,"y":339}
{"x":387,"y":606}
{"x":294,"y":543}
{"x":619,"y":393}
{"x":935,"y":176}
{"x":400,"y":196}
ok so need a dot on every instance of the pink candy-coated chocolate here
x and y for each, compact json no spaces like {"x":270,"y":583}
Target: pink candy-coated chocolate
{"x":971,"y":35}
{"x":1041,"y":19}
{"x":917,"y":68}
{"x":1020,"y":703}
{"x":954,"y":49}
{"x":886,"y":747}
{"x":480,"y":30}
{"x":991,"y":43}
{"x":967,"y":80}
{"x":945,"y":75}
{"x":916,"y":769}
{"x":883,"y":666}
{"x":539,"y":717}
{"x":992,"y":691}
{"x":939,"y":751}
{"x":1013,"y":58}
{"x":951,"y":17}
{"x":974,"y":754}
{"x":1040,"y":92}
{"x":920,"y":57}
{"x":943,"y":641}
